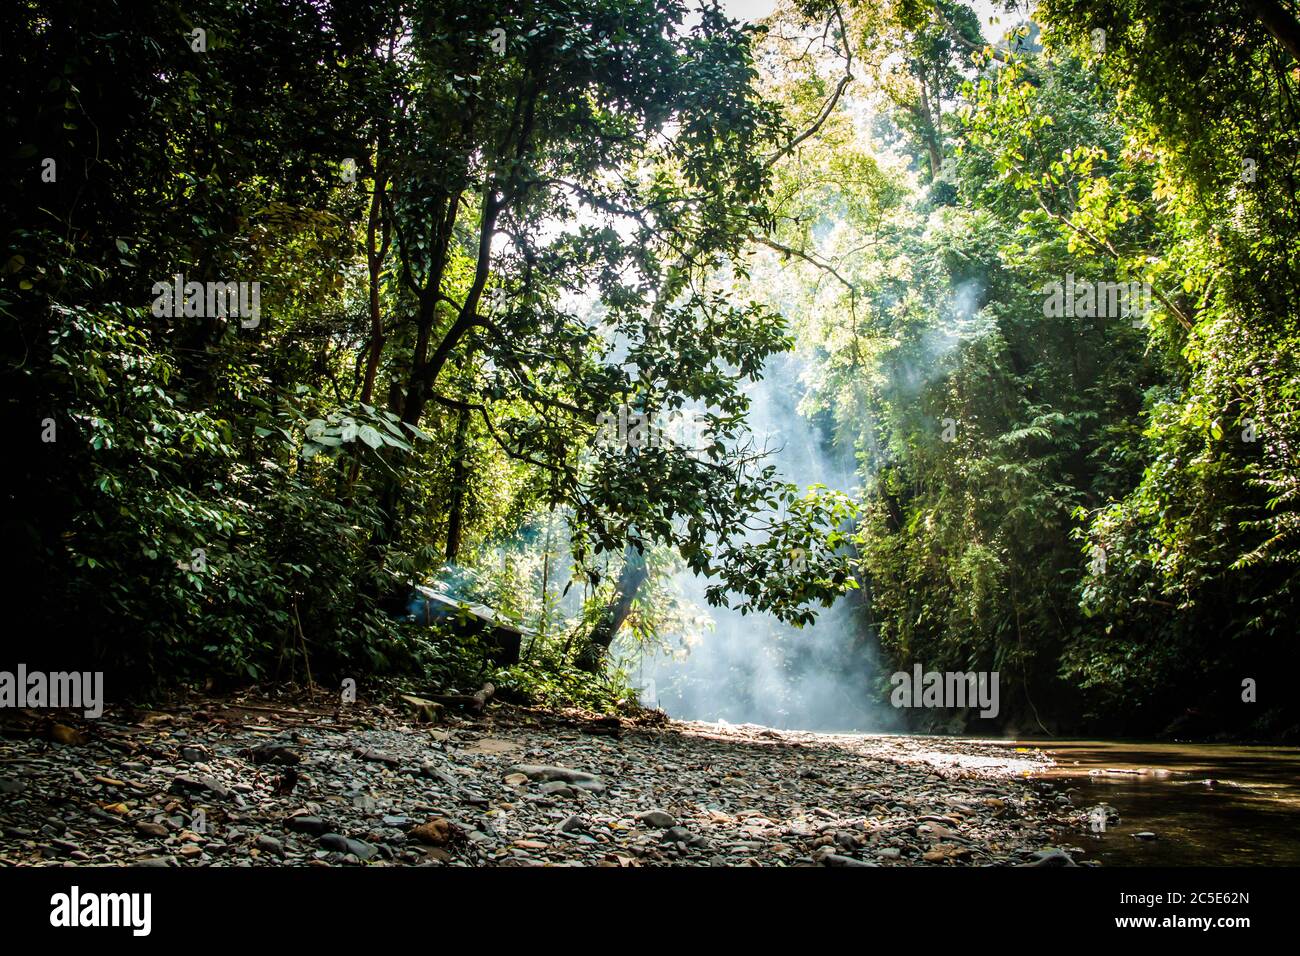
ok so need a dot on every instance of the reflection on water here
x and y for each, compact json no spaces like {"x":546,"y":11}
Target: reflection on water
{"x":1208,"y":804}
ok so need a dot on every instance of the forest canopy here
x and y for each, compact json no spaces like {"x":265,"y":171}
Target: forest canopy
{"x":306,"y":304}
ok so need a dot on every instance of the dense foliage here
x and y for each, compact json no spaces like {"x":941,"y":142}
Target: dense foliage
{"x":1096,"y":499}
{"x":473,"y":231}
{"x":1045,"y":287}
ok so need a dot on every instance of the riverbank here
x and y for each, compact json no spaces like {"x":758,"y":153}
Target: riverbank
{"x":300,"y":781}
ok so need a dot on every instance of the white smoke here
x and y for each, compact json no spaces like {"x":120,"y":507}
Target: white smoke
{"x":753,"y":668}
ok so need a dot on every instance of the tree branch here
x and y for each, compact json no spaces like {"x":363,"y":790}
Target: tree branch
{"x":829,"y":106}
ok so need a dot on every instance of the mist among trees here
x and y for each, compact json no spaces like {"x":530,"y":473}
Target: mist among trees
{"x":307,"y":304}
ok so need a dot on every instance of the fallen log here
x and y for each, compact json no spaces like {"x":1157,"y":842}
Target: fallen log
{"x":475,"y":703}
{"x":429,"y":711}
{"x":602,"y":726}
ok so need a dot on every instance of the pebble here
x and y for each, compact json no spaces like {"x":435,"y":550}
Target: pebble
{"x":683,"y":835}
{"x":657,"y":818}
{"x":537,"y":772}
{"x":184,"y":784}
{"x":496,"y":790}
{"x":341,"y":844}
{"x":435,"y":832}
{"x":834,"y":859}
{"x":269,"y":844}
{"x":306,"y":823}
{"x":1051,"y":857}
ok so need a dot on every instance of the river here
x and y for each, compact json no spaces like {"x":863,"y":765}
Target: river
{"x":1207,"y":804}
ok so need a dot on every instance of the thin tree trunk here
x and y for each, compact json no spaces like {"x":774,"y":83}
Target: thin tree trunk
{"x":375,"y":261}
{"x":460,"y":475}
{"x":424,"y":372}
{"x":543,"y":620}
{"x":631,"y":578}
{"x":377,"y":226}
{"x":929,"y":134}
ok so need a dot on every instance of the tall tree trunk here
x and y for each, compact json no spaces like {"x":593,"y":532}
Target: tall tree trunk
{"x":631,"y":578}
{"x":424,"y":371}
{"x":929,"y":133}
{"x":543,"y":618}
{"x":375,"y":255}
{"x":1279,"y":22}
{"x":408,"y":401}
{"x":376,"y":227}
{"x":460,"y":475}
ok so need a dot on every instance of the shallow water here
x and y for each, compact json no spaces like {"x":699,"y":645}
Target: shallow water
{"x":1247,"y":814}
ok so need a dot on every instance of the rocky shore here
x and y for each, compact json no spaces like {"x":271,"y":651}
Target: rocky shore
{"x":275,"y":782}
